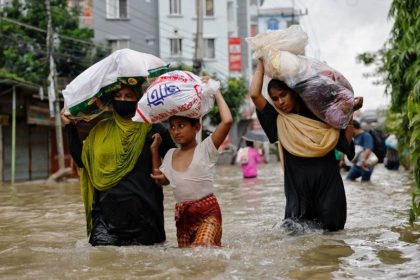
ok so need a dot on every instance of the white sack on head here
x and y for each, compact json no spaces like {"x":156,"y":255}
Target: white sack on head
{"x":176,"y":93}
{"x":292,"y":39}
{"x":99,"y":81}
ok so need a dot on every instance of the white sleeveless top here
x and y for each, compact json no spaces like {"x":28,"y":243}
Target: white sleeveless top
{"x":197,"y":181}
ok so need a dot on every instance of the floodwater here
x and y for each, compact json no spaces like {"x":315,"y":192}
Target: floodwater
{"x":42,"y":231}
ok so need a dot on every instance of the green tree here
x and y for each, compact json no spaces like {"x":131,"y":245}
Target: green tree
{"x":23,"y":26}
{"x":398,"y":64}
{"x":234,"y":92}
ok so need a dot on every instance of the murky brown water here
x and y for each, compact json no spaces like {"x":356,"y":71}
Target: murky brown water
{"x":42,"y":231}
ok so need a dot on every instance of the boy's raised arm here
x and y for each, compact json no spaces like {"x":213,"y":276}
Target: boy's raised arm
{"x":157,"y":175}
{"x":226,"y":121}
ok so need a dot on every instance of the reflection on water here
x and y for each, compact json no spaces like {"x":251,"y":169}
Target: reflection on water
{"x":42,"y":232}
{"x":391,"y":257}
{"x":321,"y":261}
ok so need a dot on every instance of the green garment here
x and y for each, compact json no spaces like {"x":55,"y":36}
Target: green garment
{"x":338,"y":154}
{"x":109,"y":152}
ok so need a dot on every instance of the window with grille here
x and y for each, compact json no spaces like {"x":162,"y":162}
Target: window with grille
{"x":209,"y":8}
{"x":176,"y":47}
{"x":209,"y":48}
{"x":174,"y":7}
{"x":273,"y":24}
{"x":118,"y":44}
{"x":117,"y":9}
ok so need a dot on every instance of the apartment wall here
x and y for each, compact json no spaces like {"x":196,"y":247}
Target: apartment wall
{"x":141,"y":27}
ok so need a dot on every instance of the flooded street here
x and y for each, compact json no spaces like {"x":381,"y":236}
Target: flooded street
{"x":43,"y":236}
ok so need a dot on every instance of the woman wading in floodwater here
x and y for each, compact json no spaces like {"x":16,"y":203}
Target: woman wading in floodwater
{"x":313,"y":185}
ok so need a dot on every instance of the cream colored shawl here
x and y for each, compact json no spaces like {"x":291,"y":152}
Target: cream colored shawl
{"x":304,"y":137}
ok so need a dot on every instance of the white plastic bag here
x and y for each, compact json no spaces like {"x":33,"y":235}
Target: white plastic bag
{"x":292,"y":39}
{"x":242,"y":156}
{"x":124,"y":66}
{"x":370,"y":162}
{"x":176,"y":93}
{"x":391,"y":142}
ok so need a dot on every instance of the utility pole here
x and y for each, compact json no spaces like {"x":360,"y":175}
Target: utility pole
{"x":199,"y":44}
{"x":52,"y":90}
{"x":199,"y":47}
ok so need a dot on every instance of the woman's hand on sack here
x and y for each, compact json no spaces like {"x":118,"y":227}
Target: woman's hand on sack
{"x":157,"y":140}
{"x":66,"y":120}
{"x":358,"y":103}
{"x":97,"y":101}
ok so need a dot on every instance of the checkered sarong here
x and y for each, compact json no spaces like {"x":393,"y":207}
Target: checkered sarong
{"x":199,"y":222}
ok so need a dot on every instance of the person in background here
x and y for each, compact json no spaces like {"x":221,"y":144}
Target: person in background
{"x":123,"y":205}
{"x":391,"y":161}
{"x":339,"y":156}
{"x":249,"y":158}
{"x":365,"y":141}
{"x":190,"y":171}
{"x":313,"y":185}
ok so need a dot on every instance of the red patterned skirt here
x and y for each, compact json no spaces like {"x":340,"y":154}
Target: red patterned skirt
{"x":199,"y":222}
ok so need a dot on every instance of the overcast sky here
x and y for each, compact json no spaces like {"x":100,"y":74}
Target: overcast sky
{"x":340,"y":29}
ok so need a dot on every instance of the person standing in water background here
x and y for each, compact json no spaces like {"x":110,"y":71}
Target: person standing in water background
{"x":122,"y":203}
{"x":313,"y":185}
{"x":365,"y":142}
{"x":249,"y":158}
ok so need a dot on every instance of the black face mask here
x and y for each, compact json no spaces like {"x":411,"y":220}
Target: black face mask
{"x":124,"y":108}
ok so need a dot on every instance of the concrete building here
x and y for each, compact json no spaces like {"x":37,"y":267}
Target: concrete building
{"x":126,"y":24}
{"x":274,"y":14}
{"x":178,"y":27}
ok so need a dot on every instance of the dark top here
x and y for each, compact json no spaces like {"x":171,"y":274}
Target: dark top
{"x":131,"y":212}
{"x":313,"y":186}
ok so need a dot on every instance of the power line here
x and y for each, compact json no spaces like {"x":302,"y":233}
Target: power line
{"x":44,"y":53}
{"x":44,"y":31}
{"x":221,"y":56}
{"x":146,"y":20}
{"x":189,"y":52}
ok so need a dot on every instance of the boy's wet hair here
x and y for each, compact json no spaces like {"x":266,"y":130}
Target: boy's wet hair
{"x":192,"y":121}
{"x":356,"y":124}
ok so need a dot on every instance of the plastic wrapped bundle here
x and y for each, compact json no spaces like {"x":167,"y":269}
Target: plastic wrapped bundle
{"x":325,"y":91}
{"x":292,"y":39}
{"x":89,"y":94}
{"x":176,"y":93}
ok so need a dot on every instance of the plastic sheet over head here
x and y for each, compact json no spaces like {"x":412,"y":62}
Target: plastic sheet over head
{"x":90,"y":93}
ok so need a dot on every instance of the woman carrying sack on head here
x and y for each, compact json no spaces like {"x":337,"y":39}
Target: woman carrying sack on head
{"x":313,"y":185}
{"x":123,"y":205}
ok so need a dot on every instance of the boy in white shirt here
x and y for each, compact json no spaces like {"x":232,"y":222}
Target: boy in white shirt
{"x":190,"y":171}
